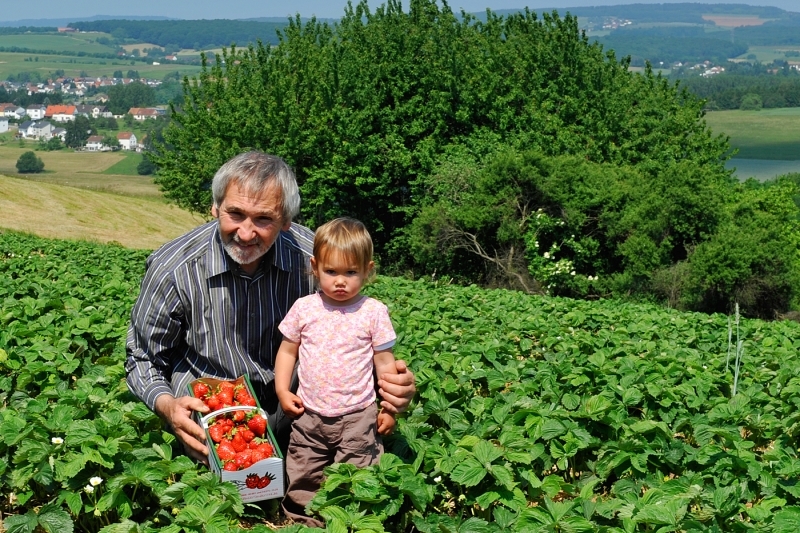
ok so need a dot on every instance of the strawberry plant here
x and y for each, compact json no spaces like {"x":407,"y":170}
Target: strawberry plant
{"x":532,"y":414}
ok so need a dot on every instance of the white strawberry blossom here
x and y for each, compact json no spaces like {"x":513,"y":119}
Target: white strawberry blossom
{"x":95,"y":481}
{"x":57,"y":440}
{"x":88,"y":489}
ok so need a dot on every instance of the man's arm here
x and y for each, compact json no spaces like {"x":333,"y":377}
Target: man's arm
{"x":397,"y":390}
{"x":384,"y":364}
{"x":153,"y":335}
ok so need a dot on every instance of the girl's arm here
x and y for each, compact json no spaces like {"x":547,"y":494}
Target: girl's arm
{"x":285,"y":361}
{"x":384,"y":364}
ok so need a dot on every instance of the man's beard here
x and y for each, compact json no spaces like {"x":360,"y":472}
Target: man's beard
{"x":244,"y":256}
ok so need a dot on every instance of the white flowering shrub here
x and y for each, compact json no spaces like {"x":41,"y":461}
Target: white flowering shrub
{"x":554,"y":253}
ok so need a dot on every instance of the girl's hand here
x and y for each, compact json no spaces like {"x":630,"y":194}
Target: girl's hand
{"x":386,"y":423}
{"x":291,"y":404}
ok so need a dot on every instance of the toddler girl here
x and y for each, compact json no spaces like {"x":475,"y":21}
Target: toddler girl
{"x":340,"y":337}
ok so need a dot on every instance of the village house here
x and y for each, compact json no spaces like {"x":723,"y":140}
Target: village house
{"x":93,"y":111}
{"x":95,"y":143}
{"x":143,"y":113}
{"x":127,"y":140}
{"x":60,"y":113}
{"x":61,"y":133}
{"x":3,"y":125}
{"x":12,"y":111}
{"x":39,"y":130}
{"x":36,"y":111}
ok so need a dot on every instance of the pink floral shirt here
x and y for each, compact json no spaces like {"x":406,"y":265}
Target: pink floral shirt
{"x":337,"y":346}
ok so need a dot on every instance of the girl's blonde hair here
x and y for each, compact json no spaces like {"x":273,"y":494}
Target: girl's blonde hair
{"x":346,"y":236}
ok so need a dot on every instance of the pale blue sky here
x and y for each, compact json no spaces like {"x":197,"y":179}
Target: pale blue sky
{"x":211,"y":9}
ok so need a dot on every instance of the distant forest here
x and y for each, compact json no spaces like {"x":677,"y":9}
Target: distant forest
{"x":669,"y":13}
{"x":672,"y":44}
{"x":195,"y":34}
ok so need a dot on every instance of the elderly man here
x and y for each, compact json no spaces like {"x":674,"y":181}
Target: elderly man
{"x":211,"y":300}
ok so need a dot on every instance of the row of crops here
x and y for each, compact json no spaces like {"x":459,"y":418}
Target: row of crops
{"x":532,"y":414}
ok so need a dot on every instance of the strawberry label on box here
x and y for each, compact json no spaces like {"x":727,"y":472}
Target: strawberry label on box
{"x":242,"y":448}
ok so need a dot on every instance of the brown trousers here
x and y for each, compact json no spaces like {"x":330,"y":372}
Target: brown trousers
{"x":318,"y":441}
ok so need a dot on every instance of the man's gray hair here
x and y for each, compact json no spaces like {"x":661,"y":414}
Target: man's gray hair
{"x":256,"y":172}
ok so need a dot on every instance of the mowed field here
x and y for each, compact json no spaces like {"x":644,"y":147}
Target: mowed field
{"x":766,"y":134}
{"x":734,"y":21}
{"x":62,"y":42}
{"x":768,"y":54}
{"x":12,"y":63}
{"x":75,"y":199}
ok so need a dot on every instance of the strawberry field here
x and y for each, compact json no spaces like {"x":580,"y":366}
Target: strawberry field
{"x":532,"y":414}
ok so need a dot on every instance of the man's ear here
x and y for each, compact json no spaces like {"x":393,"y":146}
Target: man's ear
{"x":214,"y":211}
{"x":286,"y":226}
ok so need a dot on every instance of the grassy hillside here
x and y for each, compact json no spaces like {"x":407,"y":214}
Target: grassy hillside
{"x":50,"y":210}
{"x":66,"y":42}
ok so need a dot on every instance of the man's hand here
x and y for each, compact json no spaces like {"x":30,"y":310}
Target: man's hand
{"x":291,"y":404}
{"x":397,"y":390}
{"x":177,"y":412}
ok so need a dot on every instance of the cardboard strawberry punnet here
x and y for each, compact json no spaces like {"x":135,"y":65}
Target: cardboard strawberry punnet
{"x":242,"y":447}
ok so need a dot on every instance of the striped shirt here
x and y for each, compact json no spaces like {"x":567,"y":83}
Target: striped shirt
{"x":199,"y":314}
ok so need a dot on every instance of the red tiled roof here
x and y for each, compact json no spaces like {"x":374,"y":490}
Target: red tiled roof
{"x":59,"y":110}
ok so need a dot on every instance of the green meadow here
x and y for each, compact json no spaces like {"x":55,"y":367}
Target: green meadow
{"x":768,"y":54}
{"x":126,"y":166}
{"x":62,"y":42}
{"x":766,"y":134}
{"x":12,"y":63}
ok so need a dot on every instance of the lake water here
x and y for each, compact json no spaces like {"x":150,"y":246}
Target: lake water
{"x":762,"y":169}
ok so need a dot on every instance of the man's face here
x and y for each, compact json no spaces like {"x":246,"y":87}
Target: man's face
{"x":249,"y":223}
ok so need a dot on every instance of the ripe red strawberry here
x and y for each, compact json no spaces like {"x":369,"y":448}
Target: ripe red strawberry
{"x":257,"y":425}
{"x":241,"y":394}
{"x":226,"y":451}
{"x":239,"y":444}
{"x":267,"y":449}
{"x":230,"y":466}
{"x":248,"y":400}
{"x":257,"y":456}
{"x":265,"y":481}
{"x":227,"y":386}
{"x":247,"y":435}
{"x":225,"y":396}
{"x":217,"y":432}
{"x":239,"y":416}
{"x":214,"y":403}
{"x":252,"y":481}
{"x":243,"y":459}
{"x":200,"y":390}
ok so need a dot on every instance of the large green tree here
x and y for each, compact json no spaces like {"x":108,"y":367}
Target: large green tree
{"x":364,"y":109}
{"x":29,"y":163}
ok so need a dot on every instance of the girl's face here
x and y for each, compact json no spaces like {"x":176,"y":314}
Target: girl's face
{"x":340,"y":278}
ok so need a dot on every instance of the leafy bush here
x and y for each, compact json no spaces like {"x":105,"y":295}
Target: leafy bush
{"x":365,"y":110}
{"x":751,"y":102}
{"x":753,"y":260}
{"x":29,"y":163}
